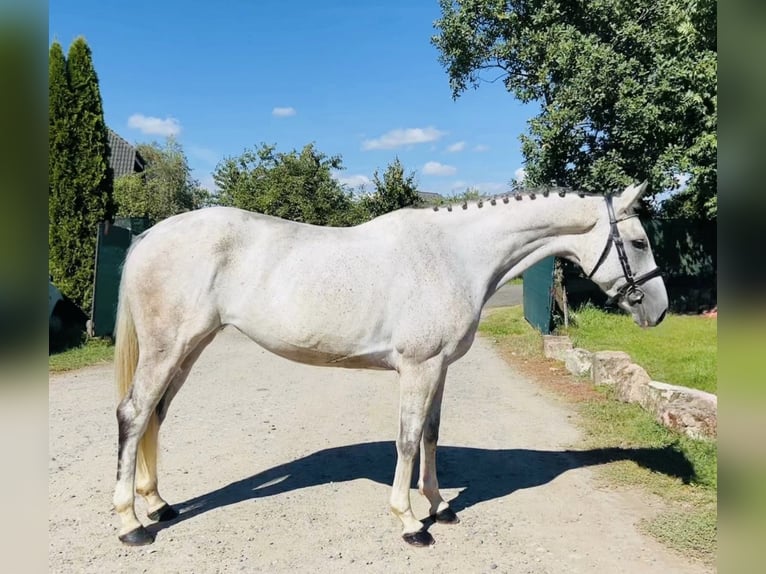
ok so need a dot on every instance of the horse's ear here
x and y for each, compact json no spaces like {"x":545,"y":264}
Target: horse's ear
{"x":630,"y":196}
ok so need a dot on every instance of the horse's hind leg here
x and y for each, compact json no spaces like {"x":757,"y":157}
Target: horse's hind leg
{"x":152,"y":377}
{"x":146,"y":466}
{"x":418,"y":386}
{"x":428,"y":483}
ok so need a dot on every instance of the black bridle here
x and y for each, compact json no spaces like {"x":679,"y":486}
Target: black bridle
{"x":630,"y":290}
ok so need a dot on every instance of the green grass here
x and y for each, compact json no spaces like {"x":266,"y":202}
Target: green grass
{"x":687,"y":481}
{"x":679,"y":470}
{"x":93,"y":352}
{"x":693,"y":533}
{"x":682,"y":350}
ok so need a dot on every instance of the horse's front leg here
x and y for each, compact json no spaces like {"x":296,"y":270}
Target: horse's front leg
{"x":418,"y":383}
{"x":428,"y":484}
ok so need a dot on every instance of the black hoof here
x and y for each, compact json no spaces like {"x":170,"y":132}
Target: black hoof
{"x":421,"y":538}
{"x":446,"y":516}
{"x":138,"y":537}
{"x":163,"y":514}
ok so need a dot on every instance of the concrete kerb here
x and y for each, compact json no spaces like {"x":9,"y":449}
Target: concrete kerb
{"x":685,"y":410}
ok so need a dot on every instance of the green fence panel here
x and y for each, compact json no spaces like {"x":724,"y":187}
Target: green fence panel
{"x":112,"y":245}
{"x":538,"y":295}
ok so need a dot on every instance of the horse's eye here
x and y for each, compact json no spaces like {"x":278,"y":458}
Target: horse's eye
{"x":639,"y":244}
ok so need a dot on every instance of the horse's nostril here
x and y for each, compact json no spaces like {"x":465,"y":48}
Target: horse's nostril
{"x":661,"y":317}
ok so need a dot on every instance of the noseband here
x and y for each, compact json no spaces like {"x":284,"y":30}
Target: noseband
{"x":630,"y":290}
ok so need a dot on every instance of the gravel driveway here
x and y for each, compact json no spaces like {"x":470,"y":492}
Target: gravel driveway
{"x":280,"y":467}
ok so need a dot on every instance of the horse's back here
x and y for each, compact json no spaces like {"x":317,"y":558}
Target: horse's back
{"x":315,"y":294}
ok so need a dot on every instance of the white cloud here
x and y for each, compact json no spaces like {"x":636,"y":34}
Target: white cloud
{"x":155,"y":126}
{"x":457,"y":146}
{"x":520,"y":174}
{"x":481,"y":147}
{"x":353,"y":180}
{"x":436,"y":168}
{"x":283,"y":112}
{"x":401,"y":137}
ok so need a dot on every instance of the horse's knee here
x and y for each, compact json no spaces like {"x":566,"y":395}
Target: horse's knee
{"x":407,"y":446}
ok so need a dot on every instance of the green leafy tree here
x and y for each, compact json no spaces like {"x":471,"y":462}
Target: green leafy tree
{"x":394,"y":191}
{"x":80,"y":189}
{"x":627,"y":90}
{"x":297,"y":185}
{"x":166,"y":186}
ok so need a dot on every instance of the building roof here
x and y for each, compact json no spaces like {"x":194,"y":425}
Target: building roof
{"x":124,"y":159}
{"x":429,"y":197}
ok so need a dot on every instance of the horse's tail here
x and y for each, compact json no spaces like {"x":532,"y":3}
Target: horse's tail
{"x":126,"y":352}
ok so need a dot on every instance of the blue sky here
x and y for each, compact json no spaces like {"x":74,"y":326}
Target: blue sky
{"x":360,"y":79}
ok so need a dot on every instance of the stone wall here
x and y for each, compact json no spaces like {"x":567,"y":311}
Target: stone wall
{"x":688,"y":411}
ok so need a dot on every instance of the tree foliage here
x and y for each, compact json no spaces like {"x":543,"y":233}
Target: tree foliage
{"x":166,"y":186}
{"x":296,"y":185}
{"x":627,"y":90}
{"x":80,"y":179}
{"x":394,"y":191}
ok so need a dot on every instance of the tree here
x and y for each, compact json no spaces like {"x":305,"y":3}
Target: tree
{"x":80,"y":188}
{"x":627,"y":90}
{"x":297,"y":185}
{"x":61,"y":199}
{"x":392,"y":192}
{"x":166,"y":186}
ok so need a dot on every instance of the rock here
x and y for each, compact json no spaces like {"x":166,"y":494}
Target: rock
{"x":688,"y":411}
{"x":631,"y":384}
{"x":578,"y":362}
{"x":606,"y":364}
{"x":556,"y":346}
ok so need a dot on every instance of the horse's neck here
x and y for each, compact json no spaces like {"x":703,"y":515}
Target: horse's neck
{"x":498,"y":242}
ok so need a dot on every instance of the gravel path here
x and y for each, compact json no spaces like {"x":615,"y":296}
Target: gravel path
{"x":280,"y":467}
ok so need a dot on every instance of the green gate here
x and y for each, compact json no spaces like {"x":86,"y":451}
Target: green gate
{"x":112,"y":244}
{"x":538,"y":295}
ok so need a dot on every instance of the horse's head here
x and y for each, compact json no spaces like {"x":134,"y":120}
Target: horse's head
{"x":621,"y":261}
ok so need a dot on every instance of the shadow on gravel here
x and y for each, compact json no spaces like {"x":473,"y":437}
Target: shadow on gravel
{"x":482,"y":474}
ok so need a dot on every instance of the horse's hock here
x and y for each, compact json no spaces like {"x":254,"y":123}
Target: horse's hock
{"x":685,"y":410}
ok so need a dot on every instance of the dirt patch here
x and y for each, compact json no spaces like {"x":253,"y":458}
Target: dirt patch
{"x":279,"y":467}
{"x":551,"y":375}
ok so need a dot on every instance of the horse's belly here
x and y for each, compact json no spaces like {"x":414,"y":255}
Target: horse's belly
{"x":325,"y":358}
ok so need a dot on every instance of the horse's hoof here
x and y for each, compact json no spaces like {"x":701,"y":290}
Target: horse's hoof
{"x":420,"y":538}
{"x":163,"y":514}
{"x":446,"y":516}
{"x":138,"y":537}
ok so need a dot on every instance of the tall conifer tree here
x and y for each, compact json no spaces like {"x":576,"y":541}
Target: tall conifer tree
{"x":81,"y":189}
{"x":62,"y":226}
